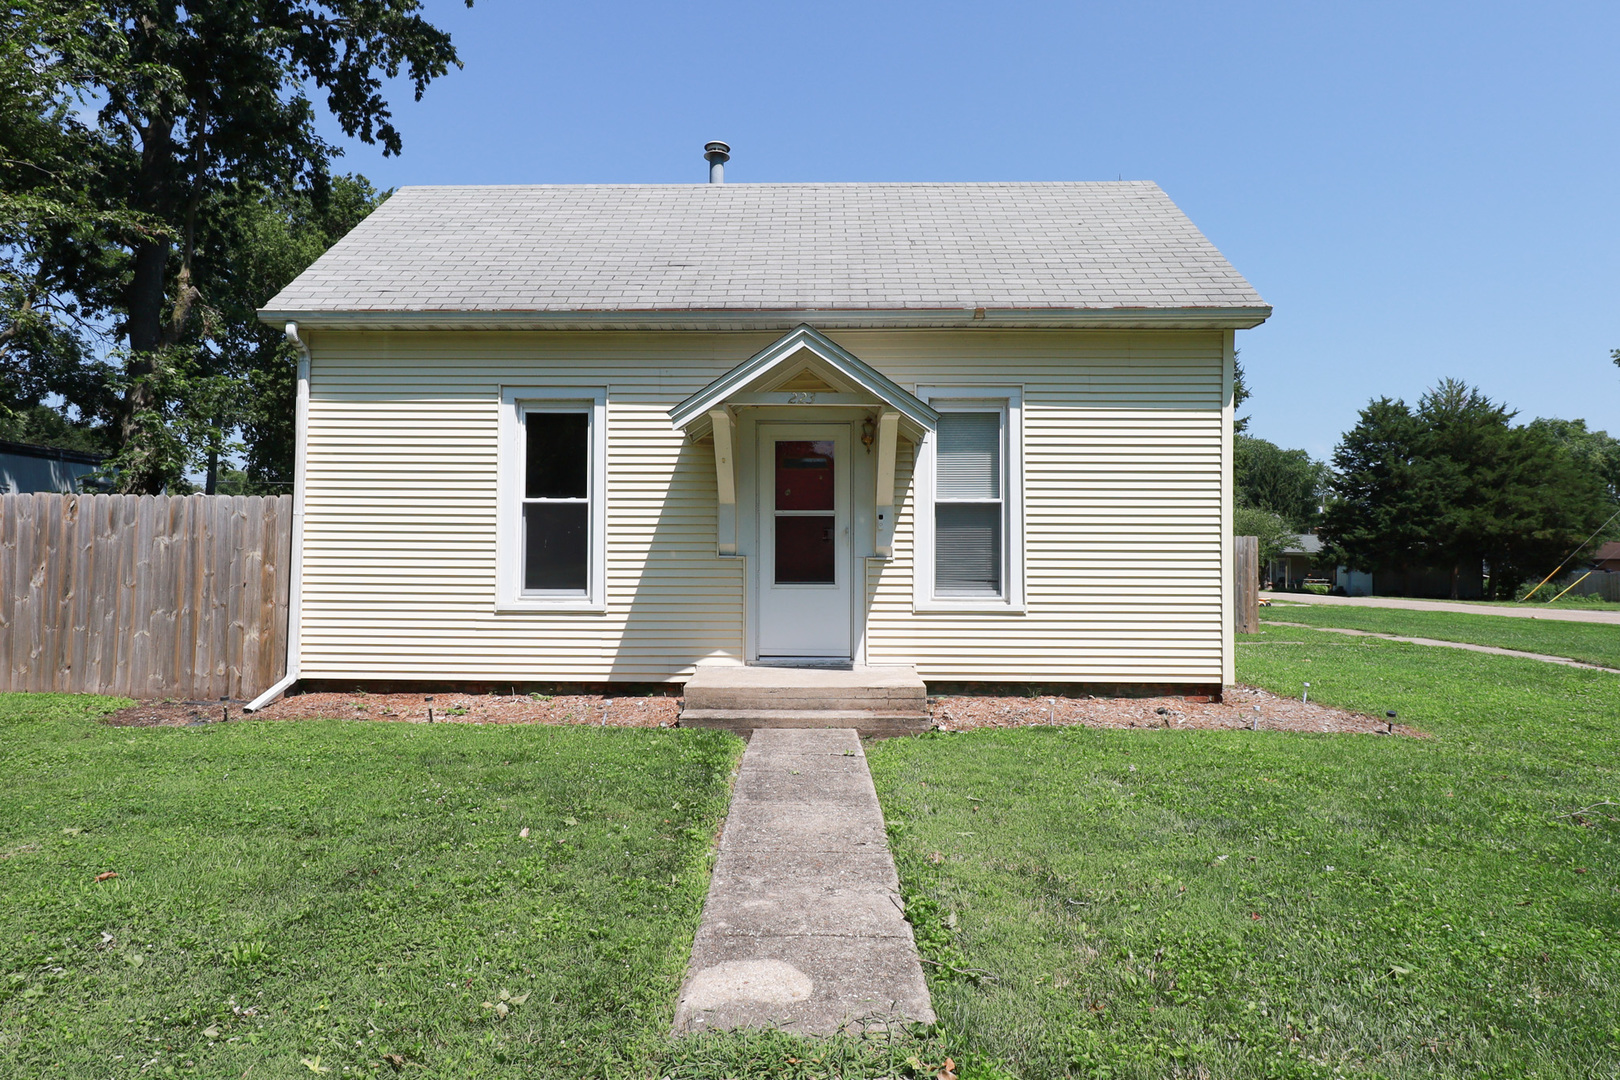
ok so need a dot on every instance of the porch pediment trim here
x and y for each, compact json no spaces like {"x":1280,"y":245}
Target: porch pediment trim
{"x":692,"y":415}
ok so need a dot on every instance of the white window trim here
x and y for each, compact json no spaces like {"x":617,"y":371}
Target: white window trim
{"x":515,"y":402}
{"x":1010,"y":401}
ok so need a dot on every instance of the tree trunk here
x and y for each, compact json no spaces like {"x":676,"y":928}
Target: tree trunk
{"x":1456,"y":576}
{"x":146,"y":295}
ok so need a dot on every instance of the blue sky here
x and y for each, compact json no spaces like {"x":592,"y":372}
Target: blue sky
{"x":1420,"y":190}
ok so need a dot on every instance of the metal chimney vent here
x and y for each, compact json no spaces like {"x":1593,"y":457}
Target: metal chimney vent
{"x":717,"y":154}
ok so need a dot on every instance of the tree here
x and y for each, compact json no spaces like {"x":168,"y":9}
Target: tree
{"x":57,"y":283}
{"x":1380,"y":515}
{"x":1240,"y":394}
{"x":1287,"y":483}
{"x":1274,"y":533}
{"x":256,"y":247}
{"x":1596,"y":450}
{"x":1453,"y":483}
{"x":201,"y":107}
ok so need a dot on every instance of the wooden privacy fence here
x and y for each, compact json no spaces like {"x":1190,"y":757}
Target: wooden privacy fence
{"x":1246,"y":583}
{"x":144,"y":595}
{"x":1604,"y":584}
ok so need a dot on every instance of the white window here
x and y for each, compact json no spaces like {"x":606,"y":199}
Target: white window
{"x":969,"y":519}
{"x":551,"y":553}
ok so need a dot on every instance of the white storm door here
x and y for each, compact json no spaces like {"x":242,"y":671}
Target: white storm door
{"x":804,"y":565}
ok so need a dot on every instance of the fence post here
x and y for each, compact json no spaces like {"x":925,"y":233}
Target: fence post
{"x":1246,"y":568}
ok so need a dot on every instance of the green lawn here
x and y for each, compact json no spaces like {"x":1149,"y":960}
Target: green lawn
{"x":334,"y":892}
{"x":1236,"y":904}
{"x":295,"y":897}
{"x":1593,"y":643}
{"x":1544,"y":600}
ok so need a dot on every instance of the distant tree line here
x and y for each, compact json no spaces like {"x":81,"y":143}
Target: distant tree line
{"x":1453,"y":483}
{"x":161,"y":177}
{"x":1449,"y":483}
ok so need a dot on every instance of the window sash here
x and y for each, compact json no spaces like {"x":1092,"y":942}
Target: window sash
{"x":944,"y":490}
{"x":969,"y":552}
{"x":572,"y":552}
{"x":577,"y":516}
{"x":970,"y":548}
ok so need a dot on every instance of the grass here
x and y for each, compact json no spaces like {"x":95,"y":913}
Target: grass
{"x":1542,"y":601}
{"x":1592,"y":643}
{"x":304,"y":899}
{"x":1236,"y":904}
{"x":298,"y":897}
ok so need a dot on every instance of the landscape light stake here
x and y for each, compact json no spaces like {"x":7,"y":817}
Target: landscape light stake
{"x":1391,"y":715}
{"x":1306,"y":696}
{"x":429,"y":701}
{"x":225,"y":706}
{"x":1254,"y":722}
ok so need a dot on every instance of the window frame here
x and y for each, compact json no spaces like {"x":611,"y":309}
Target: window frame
{"x":1009,"y":402}
{"x":516,"y":403}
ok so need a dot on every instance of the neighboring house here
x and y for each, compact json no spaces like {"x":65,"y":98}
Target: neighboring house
{"x":1293,"y":564}
{"x":27,"y":469}
{"x":1607,"y":556}
{"x":607,"y":433}
{"x":1433,"y":583}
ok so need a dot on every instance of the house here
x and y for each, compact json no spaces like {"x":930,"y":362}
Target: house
{"x":1293,"y":563}
{"x":1607,"y":556}
{"x":607,"y":433}
{"x":26,"y":468}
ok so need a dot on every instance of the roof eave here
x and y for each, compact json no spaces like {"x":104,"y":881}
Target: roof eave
{"x":1121,"y":318}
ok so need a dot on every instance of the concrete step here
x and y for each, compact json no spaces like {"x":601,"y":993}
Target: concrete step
{"x":789,"y":689}
{"x":870,"y":723}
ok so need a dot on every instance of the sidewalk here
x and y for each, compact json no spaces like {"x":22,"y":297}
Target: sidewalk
{"x":803,"y":928}
{"x":1514,"y":611}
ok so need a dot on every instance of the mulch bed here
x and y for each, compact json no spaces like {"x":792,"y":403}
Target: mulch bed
{"x":1243,"y":707}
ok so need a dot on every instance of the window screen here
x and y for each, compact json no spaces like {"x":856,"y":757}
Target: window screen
{"x":968,"y":514}
{"x":556,"y":502}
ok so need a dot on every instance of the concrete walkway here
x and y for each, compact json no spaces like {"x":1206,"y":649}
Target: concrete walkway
{"x":1492,"y":649}
{"x":803,"y":928}
{"x":1516,"y":611}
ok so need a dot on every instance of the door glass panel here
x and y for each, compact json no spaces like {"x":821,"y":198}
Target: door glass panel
{"x":804,"y":475}
{"x":804,"y":549}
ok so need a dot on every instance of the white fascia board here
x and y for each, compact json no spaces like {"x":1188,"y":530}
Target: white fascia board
{"x":841,"y":360}
{"x":1119,"y":318}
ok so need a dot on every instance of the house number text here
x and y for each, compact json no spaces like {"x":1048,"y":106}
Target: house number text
{"x":802,"y":397}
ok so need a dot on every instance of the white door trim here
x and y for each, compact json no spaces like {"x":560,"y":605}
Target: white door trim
{"x":862,"y":470}
{"x":803,"y":620}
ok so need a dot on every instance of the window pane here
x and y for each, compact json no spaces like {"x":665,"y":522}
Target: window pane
{"x":804,"y":475}
{"x":804,"y":550}
{"x":558,"y":446}
{"x":969,"y":456}
{"x":967,"y":549}
{"x":556,"y":542}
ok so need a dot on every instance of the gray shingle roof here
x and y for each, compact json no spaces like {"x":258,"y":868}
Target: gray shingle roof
{"x":738,"y":248}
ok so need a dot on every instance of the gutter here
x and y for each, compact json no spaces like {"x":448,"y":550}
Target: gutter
{"x":1117,"y":318}
{"x":295,"y":586}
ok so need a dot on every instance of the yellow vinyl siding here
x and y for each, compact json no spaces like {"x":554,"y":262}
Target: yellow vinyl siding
{"x":1123,"y":465}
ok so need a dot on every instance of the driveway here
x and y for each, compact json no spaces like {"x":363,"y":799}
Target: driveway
{"x":1516,"y":611}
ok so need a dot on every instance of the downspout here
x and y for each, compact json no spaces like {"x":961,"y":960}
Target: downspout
{"x":295,"y":585}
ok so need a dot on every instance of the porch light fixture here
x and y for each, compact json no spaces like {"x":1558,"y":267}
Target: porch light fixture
{"x":868,"y":433}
